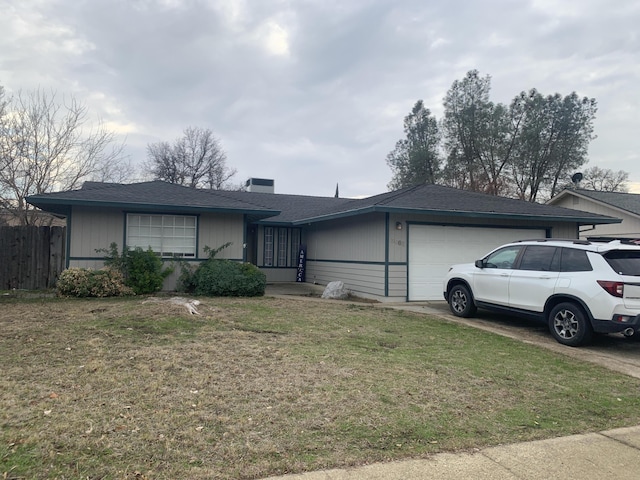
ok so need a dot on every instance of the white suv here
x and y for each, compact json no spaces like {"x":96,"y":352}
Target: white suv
{"x":578,"y":287}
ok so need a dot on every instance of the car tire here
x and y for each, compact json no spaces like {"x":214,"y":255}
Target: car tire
{"x":569,"y":325}
{"x":461,"y":302}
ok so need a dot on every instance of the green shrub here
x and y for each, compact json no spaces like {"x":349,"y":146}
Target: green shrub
{"x":225,"y":278}
{"x":186,"y":280}
{"x":83,"y":282}
{"x":142,"y":269}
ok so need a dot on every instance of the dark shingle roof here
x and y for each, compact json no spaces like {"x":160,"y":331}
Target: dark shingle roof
{"x":154,"y":195}
{"x":441,"y":200}
{"x":299,"y":209}
{"x":291,"y":207}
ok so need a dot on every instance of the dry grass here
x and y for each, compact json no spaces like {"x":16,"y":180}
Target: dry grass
{"x":119,"y":389}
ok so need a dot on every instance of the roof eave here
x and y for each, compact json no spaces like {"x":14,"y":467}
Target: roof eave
{"x":461,"y":213}
{"x":57,"y":206}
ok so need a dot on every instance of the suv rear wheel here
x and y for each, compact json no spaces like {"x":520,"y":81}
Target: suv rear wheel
{"x":569,"y":325}
{"x":460,"y":301}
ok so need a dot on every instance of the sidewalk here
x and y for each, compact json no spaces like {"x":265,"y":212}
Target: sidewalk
{"x":614,"y":454}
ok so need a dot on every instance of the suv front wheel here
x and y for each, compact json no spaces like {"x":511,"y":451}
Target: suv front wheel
{"x":569,"y":325}
{"x":460,"y":301}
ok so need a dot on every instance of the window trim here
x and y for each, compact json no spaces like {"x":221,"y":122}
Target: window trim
{"x":163,"y":252}
{"x":278,"y":249}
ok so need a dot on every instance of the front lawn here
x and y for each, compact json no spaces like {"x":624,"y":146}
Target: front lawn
{"x":119,"y":388}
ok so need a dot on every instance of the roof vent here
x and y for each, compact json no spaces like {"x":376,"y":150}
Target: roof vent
{"x":260,"y":185}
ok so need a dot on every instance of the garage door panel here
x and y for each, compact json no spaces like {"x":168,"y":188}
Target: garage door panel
{"x":433,"y":249}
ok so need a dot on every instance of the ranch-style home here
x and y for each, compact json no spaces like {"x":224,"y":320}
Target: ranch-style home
{"x":396,"y":246}
{"x":625,"y":206}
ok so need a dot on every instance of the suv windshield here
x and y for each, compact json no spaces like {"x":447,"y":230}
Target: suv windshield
{"x":624,"y":262}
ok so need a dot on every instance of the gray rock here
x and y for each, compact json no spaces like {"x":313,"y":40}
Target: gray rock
{"x":335,"y":291}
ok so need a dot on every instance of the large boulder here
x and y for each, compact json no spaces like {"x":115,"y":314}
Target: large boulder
{"x":335,"y":291}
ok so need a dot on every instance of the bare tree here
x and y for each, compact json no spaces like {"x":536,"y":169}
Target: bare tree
{"x":45,"y":146}
{"x":605,"y":180}
{"x":195,"y":160}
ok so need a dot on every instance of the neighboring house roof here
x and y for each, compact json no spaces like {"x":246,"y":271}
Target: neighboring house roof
{"x":628,"y":202}
{"x":282,"y":209}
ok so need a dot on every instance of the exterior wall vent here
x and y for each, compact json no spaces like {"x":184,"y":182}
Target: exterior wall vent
{"x":260,"y":185}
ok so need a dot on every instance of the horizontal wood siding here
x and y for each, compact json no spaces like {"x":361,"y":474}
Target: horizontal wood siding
{"x":359,"y":278}
{"x":398,"y":281}
{"x":630,"y":226}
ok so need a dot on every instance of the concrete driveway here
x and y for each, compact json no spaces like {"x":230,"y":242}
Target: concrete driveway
{"x":611,"y":351}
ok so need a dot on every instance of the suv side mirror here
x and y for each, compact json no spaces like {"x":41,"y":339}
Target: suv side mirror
{"x":480,"y":263}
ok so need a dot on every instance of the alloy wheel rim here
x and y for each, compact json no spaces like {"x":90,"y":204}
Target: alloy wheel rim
{"x":565,"y":324}
{"x":459,"y":301}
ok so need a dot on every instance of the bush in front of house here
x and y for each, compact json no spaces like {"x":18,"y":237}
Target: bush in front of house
{"x":85,"y":282}
{"x":143,"y":270}
{"x":224,"y":278}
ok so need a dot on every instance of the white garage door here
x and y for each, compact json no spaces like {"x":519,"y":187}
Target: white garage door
{"x":433,"y":249}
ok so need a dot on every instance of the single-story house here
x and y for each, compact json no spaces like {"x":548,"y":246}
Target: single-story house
{"x":396,"y":246}
{"x":625,"y":206}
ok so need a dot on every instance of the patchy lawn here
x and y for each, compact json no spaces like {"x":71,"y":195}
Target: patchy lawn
{"x":113,"y":389}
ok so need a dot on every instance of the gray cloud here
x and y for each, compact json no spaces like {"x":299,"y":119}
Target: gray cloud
{"x":317,"y":90}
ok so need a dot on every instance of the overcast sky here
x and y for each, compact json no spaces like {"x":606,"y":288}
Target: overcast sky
{"x":312,"y":93}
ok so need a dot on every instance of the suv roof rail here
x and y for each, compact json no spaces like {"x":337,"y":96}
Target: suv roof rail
{"x":622,"y":240}
{"x":577,"y":241}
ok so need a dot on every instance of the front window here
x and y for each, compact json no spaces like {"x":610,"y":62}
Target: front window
{"x":268,"y":246}
{"x":166,"y":235}
{"x":295,"y":246}
{"x":281,"y":246}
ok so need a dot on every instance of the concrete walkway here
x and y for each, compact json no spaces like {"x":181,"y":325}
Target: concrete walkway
{"x":612,"y":454}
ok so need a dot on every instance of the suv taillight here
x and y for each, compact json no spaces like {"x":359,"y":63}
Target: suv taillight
{"x":613,"y":288}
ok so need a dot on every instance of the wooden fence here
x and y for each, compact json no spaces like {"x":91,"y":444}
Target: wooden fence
{"x":31,"y":258}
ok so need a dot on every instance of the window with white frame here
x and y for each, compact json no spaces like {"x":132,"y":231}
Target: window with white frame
{"x":167,"y":235}
{"x":281,"y":246}
{"x":268,"y":247}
